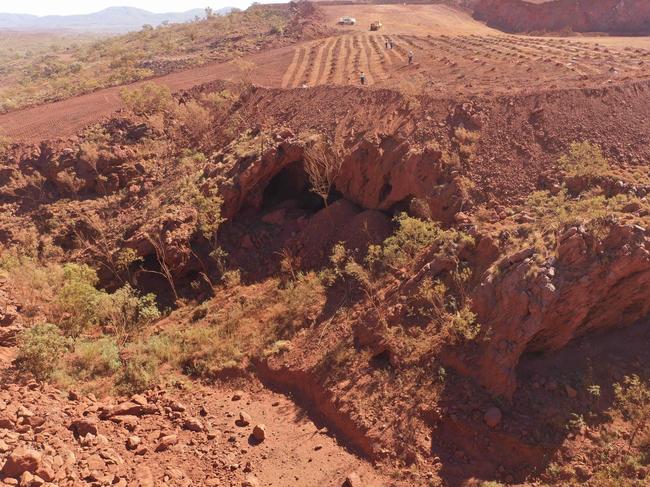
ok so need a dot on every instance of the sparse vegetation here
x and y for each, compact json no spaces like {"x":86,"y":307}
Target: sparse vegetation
{"x":149,"y":99}
{"x":388,"y":330}
{"x":41,"y":350}
{"x":413,"y":236}
{"x":94,"y":358}
{"x":467,"y":141}
{"x":70,"y":65}
{"x":633,"y":402}
{"x":584,"y":160}
{"x":77,"y":300}
{"x":125,"y":312}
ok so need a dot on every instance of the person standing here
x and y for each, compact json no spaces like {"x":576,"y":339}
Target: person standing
{"x":362,"y":78}
{"x":410,"y":57}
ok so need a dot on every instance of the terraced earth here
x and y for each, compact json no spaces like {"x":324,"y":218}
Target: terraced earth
{"x":454,"y":55}
{"x":466,"y":63}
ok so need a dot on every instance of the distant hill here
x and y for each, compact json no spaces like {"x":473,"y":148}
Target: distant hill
{"x":113,"y":19}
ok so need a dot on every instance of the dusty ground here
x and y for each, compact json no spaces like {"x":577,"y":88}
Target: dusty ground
{"x":363,"y":379}
{"x":296,"y":451}
{"x":454,"y":56}
{"x":408,"y":19}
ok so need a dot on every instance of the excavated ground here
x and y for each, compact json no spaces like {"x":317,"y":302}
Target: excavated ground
{"x":454,"y":56}
{"x":524,"y":100}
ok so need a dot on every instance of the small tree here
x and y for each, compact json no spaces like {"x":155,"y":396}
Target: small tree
{"x":76,"y":300}
{"x":323,"y":164}
{"x":126,"y":311}
{"x":158,"y":244}
{"x":40,"y":350}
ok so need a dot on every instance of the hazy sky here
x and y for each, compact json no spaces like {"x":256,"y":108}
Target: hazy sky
{"x":68,"y":7}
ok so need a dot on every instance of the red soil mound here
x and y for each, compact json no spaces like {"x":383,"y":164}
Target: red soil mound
{"x":614,"y":16}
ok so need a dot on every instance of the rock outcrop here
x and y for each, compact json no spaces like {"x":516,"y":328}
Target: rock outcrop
{"x":377,"y":173}
{"x":613,"y":16}
{"x":591,"y":284}
{"x":10,"y":323}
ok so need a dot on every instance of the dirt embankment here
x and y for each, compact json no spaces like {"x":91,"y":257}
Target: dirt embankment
{"x":397,"y":153}
{"x":613,"y":16}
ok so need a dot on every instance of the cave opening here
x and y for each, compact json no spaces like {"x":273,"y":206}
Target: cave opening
{"x":292,"y":184}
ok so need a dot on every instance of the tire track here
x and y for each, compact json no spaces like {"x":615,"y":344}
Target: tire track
{"x":355,"y":51}
{"x":346,"y":61}
{"x":290,"y":73}
{"x":317,"y":64}
{"x":309,"y":69}
{"x":302,"y":66}
{"x":375,"y":58}
{"x":335,"y":61}
{"x":325,"y":70}
{"x":364,"y":61}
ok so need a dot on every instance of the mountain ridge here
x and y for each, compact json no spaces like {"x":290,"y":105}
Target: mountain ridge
{"x":111,"y":19}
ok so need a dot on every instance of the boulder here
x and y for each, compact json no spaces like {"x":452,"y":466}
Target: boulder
{"x":244,"y":419}
{"x":493,"y":417}
{"x":259,"y":432}
{"x":81,"y":427}
{"x":193,"y":424}
{"x":21,"y":460}
{"x":166,"y":442}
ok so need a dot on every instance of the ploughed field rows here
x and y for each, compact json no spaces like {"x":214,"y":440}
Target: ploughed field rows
{"x":340,"y":60}
{"x":488,"y":64}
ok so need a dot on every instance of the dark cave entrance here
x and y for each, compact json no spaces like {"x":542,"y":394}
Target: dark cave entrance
{"x":292,"y":184}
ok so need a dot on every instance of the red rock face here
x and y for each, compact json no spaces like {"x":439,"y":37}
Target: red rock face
{"x":614,"y":16}
{"x":591,"y":285}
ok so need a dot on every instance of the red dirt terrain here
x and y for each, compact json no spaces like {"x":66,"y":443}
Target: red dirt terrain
{"x":454,"y":56}
{"x":460,"y":296}
{"x":612,"y":16}
{"x":181,"y":438}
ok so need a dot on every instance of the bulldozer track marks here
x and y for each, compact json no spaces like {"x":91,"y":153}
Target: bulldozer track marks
{"x":289,"y":75}
{"x":340,"y":60}
{"x":447,"y":62}
{"x":316,"y":65}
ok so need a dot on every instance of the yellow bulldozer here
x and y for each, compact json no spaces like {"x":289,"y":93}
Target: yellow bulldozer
{"x":376,"y":25}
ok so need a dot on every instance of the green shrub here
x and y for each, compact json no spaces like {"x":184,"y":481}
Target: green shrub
{"x":40,"y":350}
{"x":95,"y":358}
{"x":138,"y":373}
{"x":207,"y":205}
{"x":162,"y":348}
{"x":300,"y":302}
{"x":411,"y":237}
{"x":148,"y":99}
{"x":125,"y":311}
{"x":205,"y":350}
{"x":584,"y":159}
{"x":77,"y":299}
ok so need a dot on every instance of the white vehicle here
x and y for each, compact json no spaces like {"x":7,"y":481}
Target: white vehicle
{"x":347,"y":21}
